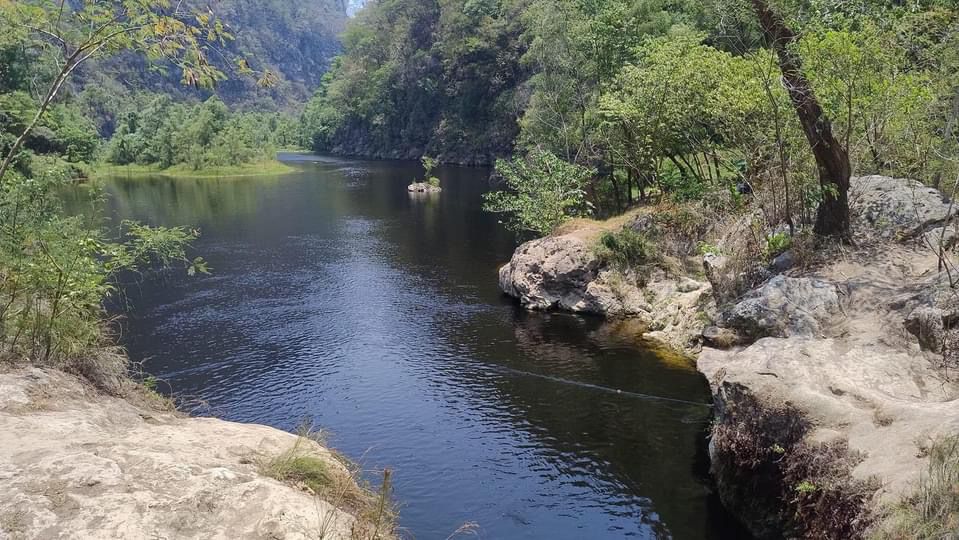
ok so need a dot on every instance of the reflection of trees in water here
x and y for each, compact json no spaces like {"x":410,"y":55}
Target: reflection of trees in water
{"x":190,"y":201}
{"x":630,"y":450}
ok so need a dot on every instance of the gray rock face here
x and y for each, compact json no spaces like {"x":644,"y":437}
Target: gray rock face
{"x":784,"y":261}
{"x":785,"y":307}
{"x":931,"y":313}
{"x":896,"y":207}
{"x":562,"y":272}
{"x":946,"y":236}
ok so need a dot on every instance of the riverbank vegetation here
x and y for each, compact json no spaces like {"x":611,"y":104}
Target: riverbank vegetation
{"x":56,"y":269}
{"x":679,"y":101}
{"x":206,"y":139}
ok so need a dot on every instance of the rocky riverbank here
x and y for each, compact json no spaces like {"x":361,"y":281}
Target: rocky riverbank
{"x":76,"y":463}
{"x":831,"y":379}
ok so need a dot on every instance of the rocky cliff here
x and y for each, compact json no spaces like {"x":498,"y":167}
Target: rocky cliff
{"x":77,"y":464}
{"x":833,"y":379}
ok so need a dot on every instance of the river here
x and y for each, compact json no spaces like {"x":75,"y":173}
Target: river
{"x":337,"y":298}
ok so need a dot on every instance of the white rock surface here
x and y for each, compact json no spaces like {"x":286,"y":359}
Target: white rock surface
{"x":74,"y":464}
{"x":887,"y":403}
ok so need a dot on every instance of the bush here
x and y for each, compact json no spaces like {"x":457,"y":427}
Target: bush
{"x":782,"y":485}
{"x":626,"y":249}
{"x":57,"y":270}
{"x":543,"y":192}
{"x":776,"y":244}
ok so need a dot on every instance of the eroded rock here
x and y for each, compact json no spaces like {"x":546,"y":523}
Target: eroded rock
{"x":78,"y":465}
{"x":785,"y":306}
{"x":563,"y":272}
{"x":896,"y":207}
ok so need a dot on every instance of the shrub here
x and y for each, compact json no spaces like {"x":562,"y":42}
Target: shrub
{"x":56,"y":272}
{"x":336,"y":481}
{"x":433,"y":182}
{"x":543,"y":192}
{"x":780,"y":484}
{"x":625,"y":249}
{"x":776,"y":244}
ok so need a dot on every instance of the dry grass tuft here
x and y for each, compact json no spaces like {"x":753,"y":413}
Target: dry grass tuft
{"x":932,"y":512}
{"x":336,"y":482}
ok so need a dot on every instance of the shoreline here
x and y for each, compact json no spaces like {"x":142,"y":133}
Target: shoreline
{"x":273,"y":167}
{"x":826,"y":391}
{"x":87,"y":463}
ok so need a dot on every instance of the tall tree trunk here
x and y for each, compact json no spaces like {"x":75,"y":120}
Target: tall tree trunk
{"x":832,"y":159}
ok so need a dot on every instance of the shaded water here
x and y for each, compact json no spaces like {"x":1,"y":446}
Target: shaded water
{"x":339,"y":298}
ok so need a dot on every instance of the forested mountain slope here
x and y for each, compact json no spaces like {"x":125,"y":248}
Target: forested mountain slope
{"x":295,"y":41}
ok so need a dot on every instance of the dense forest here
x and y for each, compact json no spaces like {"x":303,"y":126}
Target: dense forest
{"x":683,"y":98}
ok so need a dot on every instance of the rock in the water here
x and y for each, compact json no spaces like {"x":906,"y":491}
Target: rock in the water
{"x":896,"y":207}
{"x":423,"y":187}
{"x":785,"y":307}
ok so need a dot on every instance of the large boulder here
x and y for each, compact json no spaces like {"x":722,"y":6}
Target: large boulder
{"x":896,"y":207}
{"x":563,"y":272}
{"x":783,"y":307}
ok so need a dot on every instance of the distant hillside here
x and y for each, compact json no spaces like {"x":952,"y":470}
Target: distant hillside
{"x":294,"y":39}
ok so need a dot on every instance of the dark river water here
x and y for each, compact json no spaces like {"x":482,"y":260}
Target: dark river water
{"x":338,"y":298}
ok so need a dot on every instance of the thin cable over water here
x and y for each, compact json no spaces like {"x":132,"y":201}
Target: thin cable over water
{"x":618,"y":392}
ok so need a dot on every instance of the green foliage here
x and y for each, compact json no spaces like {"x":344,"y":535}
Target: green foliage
{"x":705,"y":248}
{"x":777,"y":243}
{"x":421,"y":77}
{"x":57,"y":269}
{"x":166,"y":134}
{"x":626,"y":249}
{"x":543,"y":192}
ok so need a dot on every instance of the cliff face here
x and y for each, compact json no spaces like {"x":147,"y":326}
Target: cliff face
{"x":295,"y":40}
{"x":833,"y":380}
{"x":77,"y":464}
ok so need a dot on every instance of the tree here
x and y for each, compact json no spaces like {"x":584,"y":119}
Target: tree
{"x":832,"y":158}
{"x":544,"y":192}
{"x":78,"y":32}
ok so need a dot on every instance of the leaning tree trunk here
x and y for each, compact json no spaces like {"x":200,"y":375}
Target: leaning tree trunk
{"x":832,"y":159}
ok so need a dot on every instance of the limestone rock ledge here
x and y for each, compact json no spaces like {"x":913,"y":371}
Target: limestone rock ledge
{"x":80,"y":465}
{"x":564,"y":273}
{"x":862,"y":347}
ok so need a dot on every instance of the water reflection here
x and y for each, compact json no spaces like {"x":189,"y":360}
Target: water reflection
{"x":339,"y":298}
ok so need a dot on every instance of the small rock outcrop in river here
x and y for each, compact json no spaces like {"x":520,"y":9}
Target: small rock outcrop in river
{"x":81,"y":465}
{"x":841,"y":370}
{"x":423,"y":187}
